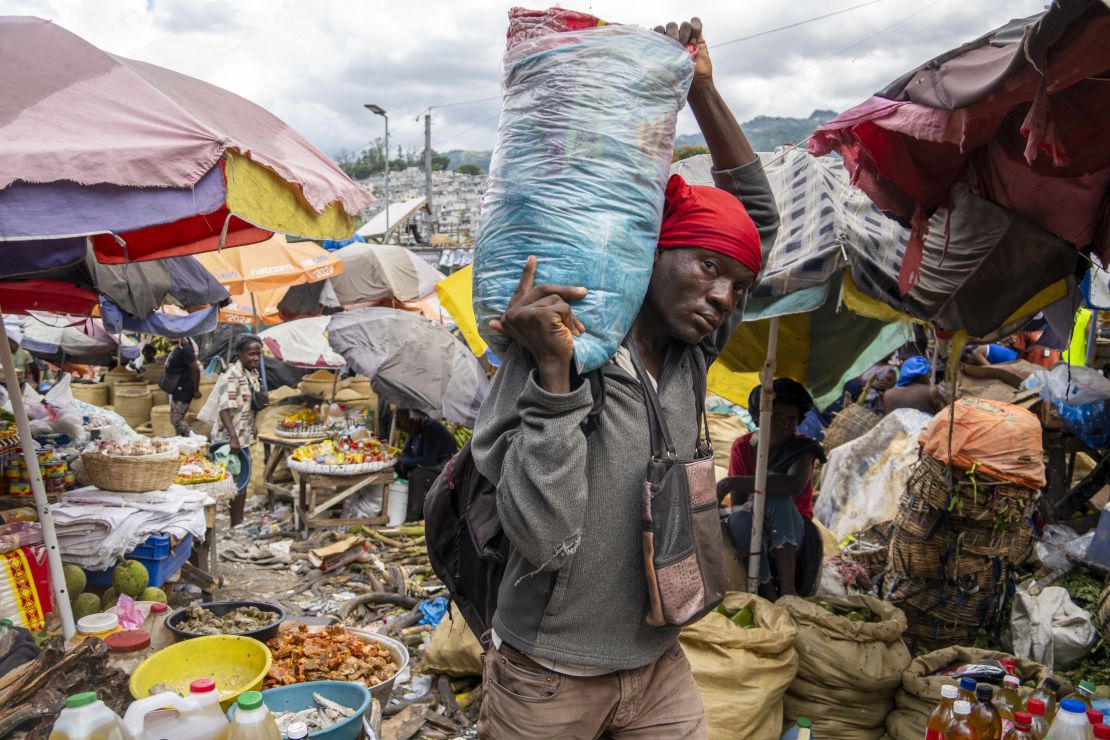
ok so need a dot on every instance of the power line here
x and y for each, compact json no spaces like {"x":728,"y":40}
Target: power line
{"x":465,"y":102}
{"x":797,"y":23}
{"x":882,"y":30}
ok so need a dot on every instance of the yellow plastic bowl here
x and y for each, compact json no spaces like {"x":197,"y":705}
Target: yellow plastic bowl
{"x":236,"y":663}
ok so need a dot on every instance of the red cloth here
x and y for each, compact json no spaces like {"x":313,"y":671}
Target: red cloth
{"x":741,"y":461}
{"x":709,"y":218}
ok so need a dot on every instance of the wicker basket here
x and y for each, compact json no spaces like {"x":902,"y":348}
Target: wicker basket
{"x":870,"y":549}
{"x":851,"y":422}
{"x":946,"y":603}
{"x":944,"y":557}
{"x":973,"y":498}
{"x":93,"y":393}
{"x":158,"y":397}
{"x":131,"y":474}
{"x":1103,"y":616}
{"x":133,"y":404}
{"x":160,"y":424}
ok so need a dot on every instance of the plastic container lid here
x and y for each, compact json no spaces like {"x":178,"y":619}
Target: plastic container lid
{"x":296,"y":731}
{"x":1023,"y":718}
{"x":202,"y":686}
{"x":80,"y":700}
{"x":128,"y":641}
{"x":95,"y":624}
{"x":962,"y":707}
{"x":984,"y":692}
{"x":1074,"y":706}
{"x":948,"y":691}
{"x":1102,"y":731}
{"x":1035,"y":707}
{"x":804,"y":722}
{"x":967,"y":683}
{"x":1011,"y":680}
{"x":1087,"y":686}
{"x":1094,"y":716}
{"x":249,"y":700}
{"x":158,"y":607}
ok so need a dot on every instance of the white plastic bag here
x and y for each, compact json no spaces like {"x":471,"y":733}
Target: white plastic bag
{"x":1048,"y":627}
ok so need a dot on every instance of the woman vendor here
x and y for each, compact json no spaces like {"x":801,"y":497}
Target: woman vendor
{"x":789,"y":486}
{"x":240,"y":396}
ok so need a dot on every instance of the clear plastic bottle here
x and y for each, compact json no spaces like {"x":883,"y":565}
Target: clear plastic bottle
{"x":85,"y":717}
{"x":1022,"y":729}
{"x":984,"y":716}
{"x":252,"y":719}
{"x":1008,"y":701}
{"x":941,"y":717}
{"x":1035,"y":707}
{"x":1071,"y":722}
{"x":802,"y":730}
{"x":1047,"y":693}
{"x":961,"y":727}
{"x":1084,"y":693}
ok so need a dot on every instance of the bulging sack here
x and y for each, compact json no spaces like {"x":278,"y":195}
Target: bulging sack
{"x":578,"y":174}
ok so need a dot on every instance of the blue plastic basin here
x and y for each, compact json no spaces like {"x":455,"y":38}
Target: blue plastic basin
{"x":298,"y":696}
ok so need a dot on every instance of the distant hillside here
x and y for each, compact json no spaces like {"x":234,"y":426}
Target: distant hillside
{"x":764,"y":132}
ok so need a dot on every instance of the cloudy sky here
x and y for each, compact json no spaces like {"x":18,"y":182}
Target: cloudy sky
{"x":315,"y":62}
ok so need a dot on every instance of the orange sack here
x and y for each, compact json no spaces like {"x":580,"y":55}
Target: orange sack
{"x":1000,"y":439}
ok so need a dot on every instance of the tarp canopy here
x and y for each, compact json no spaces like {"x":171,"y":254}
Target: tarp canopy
{"x":395,"y":213}
{"x":372,"y":272}
{"x":54,"y":337}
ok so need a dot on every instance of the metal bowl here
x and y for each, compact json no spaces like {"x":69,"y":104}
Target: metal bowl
{"x":220,"y":608}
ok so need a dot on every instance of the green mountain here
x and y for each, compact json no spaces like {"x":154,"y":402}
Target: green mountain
{"x":460,"y":157}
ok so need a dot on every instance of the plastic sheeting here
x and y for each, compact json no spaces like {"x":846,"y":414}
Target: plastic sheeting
{"x":864,"y":478}
{"x":577,"y":177}
{"x":1048,"y":627}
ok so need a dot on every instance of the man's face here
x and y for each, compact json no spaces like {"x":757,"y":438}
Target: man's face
{"x":784,"y":421}
{"x":695,"y":290}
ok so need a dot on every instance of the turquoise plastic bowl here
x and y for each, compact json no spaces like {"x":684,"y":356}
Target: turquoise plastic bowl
{"x":298,"y":696}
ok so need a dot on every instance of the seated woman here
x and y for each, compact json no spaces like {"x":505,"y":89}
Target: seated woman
{"x":789,"y":486}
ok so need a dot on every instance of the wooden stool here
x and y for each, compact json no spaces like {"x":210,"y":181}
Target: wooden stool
{"x":342,"y":487}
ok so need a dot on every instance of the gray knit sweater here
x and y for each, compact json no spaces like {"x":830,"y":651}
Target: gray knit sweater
{"x":574,"y":589}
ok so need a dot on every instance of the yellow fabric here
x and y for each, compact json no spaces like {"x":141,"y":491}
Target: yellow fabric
{"x":260,"y":196}
{"x":1076,"y":353}
{"x":862,"y":304}
{"x":457,"y":296}
{"x":736,"y":371}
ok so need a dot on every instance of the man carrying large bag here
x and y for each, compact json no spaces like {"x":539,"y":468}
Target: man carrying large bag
{"x":575,"y":647}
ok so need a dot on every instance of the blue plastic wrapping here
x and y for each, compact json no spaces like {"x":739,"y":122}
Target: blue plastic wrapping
{"x":1079,"y":395}
{"x":577,"y":177}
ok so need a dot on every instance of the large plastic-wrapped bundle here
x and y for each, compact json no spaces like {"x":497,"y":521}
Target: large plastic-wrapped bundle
{"x":578,"y":174}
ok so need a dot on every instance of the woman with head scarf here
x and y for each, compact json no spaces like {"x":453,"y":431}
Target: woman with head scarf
{"x":240,"y":396}
{"x":789,"y":494}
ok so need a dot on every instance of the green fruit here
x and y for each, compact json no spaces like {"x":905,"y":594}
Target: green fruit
{"x":85,"y":604}
{"x":153,"y":594}
{"x":109,"y":599}
{"x":720,"y":609}
{"x":130,"y":577}
{"x":744,"y":618}
{"x":826,"y":606}
{"x":75,"y":581}
{"x":854,"y":616}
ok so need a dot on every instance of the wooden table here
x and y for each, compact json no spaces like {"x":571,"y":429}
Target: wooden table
{"x":309,"y":511}
{"x":275,"y":449}
{"x":203,"y":567}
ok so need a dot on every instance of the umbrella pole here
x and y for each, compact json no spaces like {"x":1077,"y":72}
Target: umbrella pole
{"x":262,"y":361}
{"x":46,"y":519}
{"x":762,"y":454}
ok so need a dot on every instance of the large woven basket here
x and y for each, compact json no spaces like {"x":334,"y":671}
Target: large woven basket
{"x":946,"y":603}
{"x":92,"y":393}
{"x":131,"y":474}
{"x":851,"y":422}
{"x":971,"y":497}
{"x":160,"y":425}
{"x":945,"y":556}
{"x":133,"y":403}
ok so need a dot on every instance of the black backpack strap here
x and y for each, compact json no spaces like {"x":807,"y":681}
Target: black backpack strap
{"x":597,"y":392}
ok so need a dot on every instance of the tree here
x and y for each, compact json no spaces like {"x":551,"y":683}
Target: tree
{"x":440,"y":162}
{"x":686,"y":152}
{"x":469,"y":169}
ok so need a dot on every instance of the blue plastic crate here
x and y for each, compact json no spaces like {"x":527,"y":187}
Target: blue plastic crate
{"x":160,"y":567}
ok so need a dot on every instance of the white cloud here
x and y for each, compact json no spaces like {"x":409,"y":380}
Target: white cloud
{"x":315,"y":63}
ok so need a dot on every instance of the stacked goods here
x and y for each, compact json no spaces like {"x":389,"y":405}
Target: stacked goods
{"x":95,"y":394}
{"x":118,"y":375}
{"x":964,"y":520}
{"x":850,"y":662}
{"x":869,"y":549}
{"x":55,"y":472}
{"x":196,"y":469}
{"x":742,"y":671}
{"x":577,"y":178}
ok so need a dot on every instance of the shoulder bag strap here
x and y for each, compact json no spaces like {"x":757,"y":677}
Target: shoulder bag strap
{"x":699,"y":397}
{"x":661,"y":445}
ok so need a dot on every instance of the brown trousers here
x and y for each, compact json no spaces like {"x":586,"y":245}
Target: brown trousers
{"x":522,"y":699}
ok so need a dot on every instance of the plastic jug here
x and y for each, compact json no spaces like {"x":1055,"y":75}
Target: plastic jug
{"x":252,"y":719}
{"x":198,"y":715}
{"x":85,"y":717}
{"x":802,"y":730}
{"x":1071,"y":722}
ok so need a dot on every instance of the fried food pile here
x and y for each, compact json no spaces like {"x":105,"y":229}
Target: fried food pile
{"x":331,"y":654}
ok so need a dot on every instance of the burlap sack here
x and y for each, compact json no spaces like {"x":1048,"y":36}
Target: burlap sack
{"x":742,"y":674}
{"x":453,"y":649}
{"x":920,"y":691}
{"x":847,"y":671}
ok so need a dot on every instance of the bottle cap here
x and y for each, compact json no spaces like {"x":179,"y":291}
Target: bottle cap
{"x":967,"y":683}
{"x":1035,"y":707}
{"x":158,"y":607}
{"x":984,"y":692}
{"x":1074,"y":706}
{"x":6,"y":623}
{"x":1094,"y":716}
{"x":1102,"y":731}
{"x":962,"y":707}
{"x":948,"y":691}
{"x":1086,"y":686}
{"x":80,"y":700}
{"x":1011,"y":680}
{"x":804,"y":722}
{"x":296,"y":731}
{"x":249,"y":700}
{"x":1023,"y":719}
{"x":202,"y":686}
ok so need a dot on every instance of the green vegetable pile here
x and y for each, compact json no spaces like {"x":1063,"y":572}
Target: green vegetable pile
{"x":744,"y":619}
{"x":1085,"y":590}
{"x":859,"y":614}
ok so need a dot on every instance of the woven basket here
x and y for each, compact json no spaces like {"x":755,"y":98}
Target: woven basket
{"x":870,"y":549}
{"x":133,"y":404}
{"x":946,"y":603}
{"x":944,"y":557}
{"x":207,"y":383}
{"x":152,"y":371}
{"x":160,"y":424}
{"x":93,"y":393}
{"x":158,"y":397}
{"x":852,"y":422}
{"x":131,"y":474}
{"x":975,"y":498}
{"x":1102,"y":618}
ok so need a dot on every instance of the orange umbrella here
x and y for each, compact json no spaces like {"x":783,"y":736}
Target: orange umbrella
{"x":251,"y":308}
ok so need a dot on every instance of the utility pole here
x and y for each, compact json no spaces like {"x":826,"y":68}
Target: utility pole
{"x":428,"y":170}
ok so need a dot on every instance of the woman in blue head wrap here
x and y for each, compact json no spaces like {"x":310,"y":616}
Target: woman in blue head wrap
{"x":914,"y":390}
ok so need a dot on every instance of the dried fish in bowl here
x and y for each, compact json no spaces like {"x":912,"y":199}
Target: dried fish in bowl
{"x":201,"y":621}
{"x":331,"y":654}
{"x":325,"y":714}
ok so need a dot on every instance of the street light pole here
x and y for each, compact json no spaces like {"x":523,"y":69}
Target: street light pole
{"x":378,"y":110}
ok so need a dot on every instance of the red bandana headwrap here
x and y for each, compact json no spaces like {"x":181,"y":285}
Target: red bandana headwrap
{"x":709,"y":218}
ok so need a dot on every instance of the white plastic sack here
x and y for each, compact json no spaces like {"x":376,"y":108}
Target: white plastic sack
{"x":1048,"y":627}
{"x":1074,"y":385}
{"x":577,"y":178}
{"x":862,"y":479}
{"x":1050,"y":550}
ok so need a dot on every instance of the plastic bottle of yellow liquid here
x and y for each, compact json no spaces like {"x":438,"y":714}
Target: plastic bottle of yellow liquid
{"x":198,"y":715}
{"x":1008,"y":701}
{"x":252,"y":719}
{"x":1022,"y":729}
{"x":941,"y":717}
{"x":1039,"y":724}
{"x":1071,"y":722}
{"x":967,"y":690}
{"x":984,"y":716}
{"x":85,"y":717}
{"x":1047,"y":694}
{"x":1084,"y":693}
{"x":961,"y":727}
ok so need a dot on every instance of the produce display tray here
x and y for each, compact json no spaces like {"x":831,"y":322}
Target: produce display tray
{"x":160,"y":567}
{"x":312,"y":468}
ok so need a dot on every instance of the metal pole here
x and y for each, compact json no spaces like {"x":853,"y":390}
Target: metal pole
{"x":428,"y":170}
{"x":762,"y":454}
{"x":1092,"y":339}
{"x":385,"y":238}
{"x":42,"y":505}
